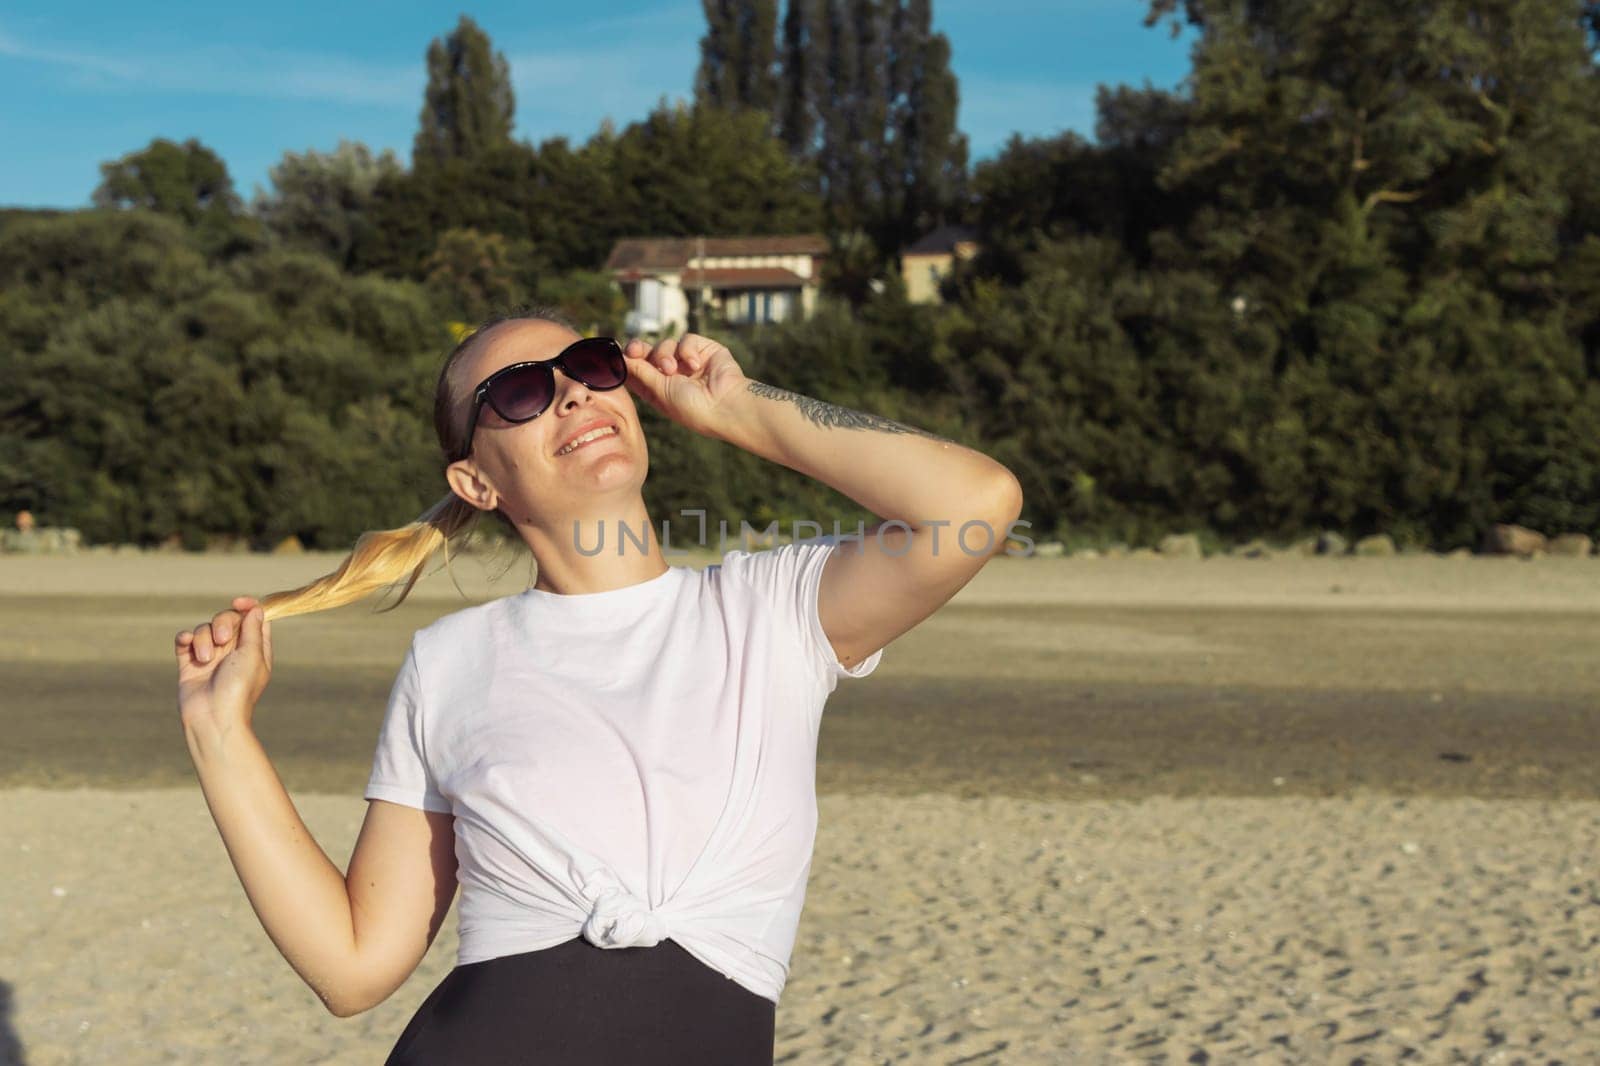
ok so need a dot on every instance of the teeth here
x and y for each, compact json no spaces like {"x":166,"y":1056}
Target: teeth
{"x":603,"y":431}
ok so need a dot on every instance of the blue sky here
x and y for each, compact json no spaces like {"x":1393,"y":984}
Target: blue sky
{"x":85,"y":81}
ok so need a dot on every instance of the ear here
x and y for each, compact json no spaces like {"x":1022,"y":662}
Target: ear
{"x":472,"y":485}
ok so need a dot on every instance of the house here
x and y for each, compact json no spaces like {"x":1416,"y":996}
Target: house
{"x":927,"y":262}
{"x":735,"y":280}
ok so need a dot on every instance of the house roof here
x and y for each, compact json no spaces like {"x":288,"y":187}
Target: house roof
{"x":744,"y":278}
{"x":674,"y":253}
{"x":943,"y":240}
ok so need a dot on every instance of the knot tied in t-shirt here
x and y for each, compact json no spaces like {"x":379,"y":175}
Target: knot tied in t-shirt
{"x":619,"y":919}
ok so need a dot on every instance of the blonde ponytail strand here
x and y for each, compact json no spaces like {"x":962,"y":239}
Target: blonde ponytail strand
{"x":382,"y":558}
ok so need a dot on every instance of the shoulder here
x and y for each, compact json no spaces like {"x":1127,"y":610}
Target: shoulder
{"x":792,"y":556}
{"x":772,"y":571}
{"x":453,"y":639}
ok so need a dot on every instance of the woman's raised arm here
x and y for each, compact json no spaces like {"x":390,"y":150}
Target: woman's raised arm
{"x":956,"y":504}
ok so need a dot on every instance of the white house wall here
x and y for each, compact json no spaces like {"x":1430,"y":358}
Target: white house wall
{"x":674,"y":301}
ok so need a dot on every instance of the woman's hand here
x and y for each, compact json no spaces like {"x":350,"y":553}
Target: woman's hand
{"x":686,"y":379}
{"x":224,"y":666}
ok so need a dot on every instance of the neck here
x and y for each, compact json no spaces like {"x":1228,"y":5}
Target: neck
{"x":596,"y":552}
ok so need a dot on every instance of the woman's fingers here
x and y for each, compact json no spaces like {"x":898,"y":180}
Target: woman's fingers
{"x":253,"y":635}
{"x":694,"y":350}
{"x":203,"y":640}
{"x":202,"y":645}
{"x":644,"y":380}
{"x":670,"y":353}
{"x":664,"y":356}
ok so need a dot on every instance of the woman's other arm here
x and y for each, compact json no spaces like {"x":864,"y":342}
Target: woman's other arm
{"x":352,"y":937}
{"x":877,"y":589}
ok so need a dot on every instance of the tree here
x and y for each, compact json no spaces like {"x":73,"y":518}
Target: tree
{"x":188,"y":180}
{"x":928,"y":168}
{"x":468,"y":104}
{"x":737,"y":55}
{"x":794,"y":122}
{"x":1382,"y":191}
{"x":1045,"y":188}
{"x":590,"y":299}
{"x":696,"y":170}
{"x":865,"y":94}
{"x":322,"y":201}
{"x":476,"y":274}
{"x":679,"y":171}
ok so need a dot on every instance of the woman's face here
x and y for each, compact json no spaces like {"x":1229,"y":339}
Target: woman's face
{"x":521,"y":469}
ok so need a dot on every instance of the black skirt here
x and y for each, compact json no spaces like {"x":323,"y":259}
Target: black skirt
{"x":580,"y":1005}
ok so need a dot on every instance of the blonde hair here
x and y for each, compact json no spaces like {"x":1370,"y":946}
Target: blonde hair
{"x":382,"y":558}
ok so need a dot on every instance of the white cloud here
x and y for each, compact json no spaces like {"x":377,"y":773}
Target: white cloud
{"x":83,"y":62}
{"x":614,"y":66}
{"x":231,"y":71}
{"x":619,"y":66}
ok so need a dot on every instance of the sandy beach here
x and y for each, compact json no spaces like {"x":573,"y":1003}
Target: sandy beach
{"x":1152,"y":811}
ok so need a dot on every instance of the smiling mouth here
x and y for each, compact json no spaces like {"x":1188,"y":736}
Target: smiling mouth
{"x":600,"y":433}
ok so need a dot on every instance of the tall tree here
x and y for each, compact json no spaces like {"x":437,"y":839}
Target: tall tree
{"x":932,"y":151}
{"x":865,"y":91}
{"x":738,"y":55}
{"x":795,"y":121}
{"x":468,"y":104}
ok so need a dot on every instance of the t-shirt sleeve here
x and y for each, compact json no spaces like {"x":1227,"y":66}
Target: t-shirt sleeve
{"x":790,"y":578}
{"x":400,"y":772}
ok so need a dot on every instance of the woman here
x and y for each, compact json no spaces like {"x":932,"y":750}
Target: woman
{"x":616,"y":765}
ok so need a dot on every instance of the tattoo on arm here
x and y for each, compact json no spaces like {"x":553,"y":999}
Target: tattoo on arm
{"x":830,"y":416}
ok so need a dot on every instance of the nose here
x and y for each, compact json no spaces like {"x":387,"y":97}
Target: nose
{"x":570,"y":392}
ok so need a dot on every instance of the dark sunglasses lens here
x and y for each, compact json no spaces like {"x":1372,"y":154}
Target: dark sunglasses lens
{"x":524,"y":393}
{"x":598,"y":363}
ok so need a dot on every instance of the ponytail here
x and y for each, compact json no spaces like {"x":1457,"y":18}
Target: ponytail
{"x":383,"y":557}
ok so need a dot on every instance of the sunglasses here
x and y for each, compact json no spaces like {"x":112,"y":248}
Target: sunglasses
{"x":522,"y":392}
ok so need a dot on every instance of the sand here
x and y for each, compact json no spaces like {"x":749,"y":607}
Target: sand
{"x":936,"y":930}
{"x":1092,"y":811}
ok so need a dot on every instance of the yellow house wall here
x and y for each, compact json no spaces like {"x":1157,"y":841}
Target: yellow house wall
{"x":922,"y":287}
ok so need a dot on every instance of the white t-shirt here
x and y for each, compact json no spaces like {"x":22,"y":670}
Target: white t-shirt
{"x":628,"y":765}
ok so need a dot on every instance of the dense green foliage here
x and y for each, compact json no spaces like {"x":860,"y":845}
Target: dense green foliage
{"x":677,"y":172}
{"x":1347,"y":277}
{"x":151,"y":391}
